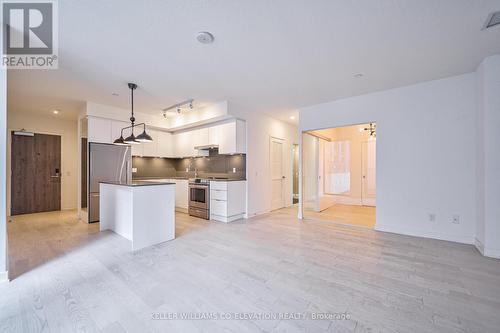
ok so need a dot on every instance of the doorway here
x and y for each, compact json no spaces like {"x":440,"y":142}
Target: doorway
{"x":339,"y":174}
{"x":277,"y":174}
{"x":35,"y":173}
{"x":295,"y":180}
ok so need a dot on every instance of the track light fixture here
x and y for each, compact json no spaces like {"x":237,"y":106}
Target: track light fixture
{"x":178,"y":107}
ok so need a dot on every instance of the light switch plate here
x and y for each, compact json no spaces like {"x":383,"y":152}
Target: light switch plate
{"x":134,"y":170}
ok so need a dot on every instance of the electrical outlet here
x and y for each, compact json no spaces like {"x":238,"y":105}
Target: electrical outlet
{"x":234,"y":170}
{"x":455,"y":219}
{"x":134,"y":170}
{"x":432,"y":217}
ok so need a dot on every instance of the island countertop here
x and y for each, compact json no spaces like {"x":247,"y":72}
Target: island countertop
{"x":135,"y":183}
{"x":142,"y":212}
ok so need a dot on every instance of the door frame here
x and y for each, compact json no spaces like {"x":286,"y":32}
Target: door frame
{"x":372,"y":202}
{"x":9,"y":163}
{"x":282,"y":141}
{"x":300,"y":212}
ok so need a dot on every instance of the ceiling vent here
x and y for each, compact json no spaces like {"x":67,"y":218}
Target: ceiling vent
{"x":493,"y":19}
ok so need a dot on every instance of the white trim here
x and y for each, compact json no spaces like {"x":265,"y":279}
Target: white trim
{"x":4,"y":276}
{"x":425,"y":234}
{"x":227,"y":219}
{"x":486,"y":251}
{"x":492,"y":253}
{"x":282,"y":142}
{"x":479,"y":246}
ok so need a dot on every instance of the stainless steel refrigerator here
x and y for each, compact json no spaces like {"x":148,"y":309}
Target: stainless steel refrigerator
{"x":106,"y":163}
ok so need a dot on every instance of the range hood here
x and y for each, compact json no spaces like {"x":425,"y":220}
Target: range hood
{"x":206,"y":147}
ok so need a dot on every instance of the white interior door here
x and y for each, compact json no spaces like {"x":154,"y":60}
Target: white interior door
{"x":277,"y":174}
{"x":369,"y":181}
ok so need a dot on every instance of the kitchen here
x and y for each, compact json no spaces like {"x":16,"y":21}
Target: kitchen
{"x":206,"y":163}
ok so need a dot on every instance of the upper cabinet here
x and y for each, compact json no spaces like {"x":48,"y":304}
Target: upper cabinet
{"x":183,"y":146}
{"x":165,"y":144}
{"x":161,"y":146}
{"x":99,"y":130}
{"x":229,"y":136}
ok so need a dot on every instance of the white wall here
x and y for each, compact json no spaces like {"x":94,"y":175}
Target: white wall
{"x":3,"y":175}
{"x":51,"y":124}
{"x":425,"y":153}
{"x":310,"y":153}
{"x":488,"y":157}
{"x":260,"y":128}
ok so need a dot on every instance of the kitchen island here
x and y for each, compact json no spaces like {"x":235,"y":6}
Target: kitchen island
{"x":142,"y":212}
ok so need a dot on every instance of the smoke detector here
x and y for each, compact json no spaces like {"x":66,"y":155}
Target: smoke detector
{"x":493,"y":19}
{"x":205,"y":37}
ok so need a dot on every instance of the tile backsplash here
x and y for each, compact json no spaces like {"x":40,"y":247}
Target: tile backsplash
{"x":227,"y":166}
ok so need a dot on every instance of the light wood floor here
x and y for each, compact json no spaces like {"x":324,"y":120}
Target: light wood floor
{"x":90,"y":281}
{"x":363,"y":216}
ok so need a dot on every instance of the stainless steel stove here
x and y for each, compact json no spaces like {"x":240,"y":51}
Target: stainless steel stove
{"x":199,"y":198}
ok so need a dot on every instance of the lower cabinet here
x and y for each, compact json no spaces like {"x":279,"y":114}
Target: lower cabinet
{"x":181,"y":194}
{"x":227,"y":200}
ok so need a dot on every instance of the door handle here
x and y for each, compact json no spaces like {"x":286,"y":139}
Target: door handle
{"x":57,"y":176}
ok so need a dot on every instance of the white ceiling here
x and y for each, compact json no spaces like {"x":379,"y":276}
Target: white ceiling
{"x":269,"y":56}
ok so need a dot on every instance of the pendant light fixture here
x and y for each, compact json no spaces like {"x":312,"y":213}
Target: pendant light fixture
{"x":132,"y":139}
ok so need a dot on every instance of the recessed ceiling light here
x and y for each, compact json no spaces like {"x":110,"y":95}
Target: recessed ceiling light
{"x":358,"y":75}
{"x":292,"y":117}
{"x":205,"y":37}
{"x":55,"y":111}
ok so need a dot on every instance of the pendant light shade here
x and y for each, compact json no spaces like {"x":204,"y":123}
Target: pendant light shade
{"x":144,"y":137}
{"x":131,"y":140}
{"x":120,"y":141}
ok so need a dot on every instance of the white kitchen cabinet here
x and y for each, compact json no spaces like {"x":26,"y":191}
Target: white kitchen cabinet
{"x":99,"y":130}
{"x":227,"y":200}
{"x":165,"y":144}
{"x":181,"y":194}
{"x":116,"y":128}
{"x":213,"y":134}
{"x":183,"y":146}
{"x":149,"y":149}
{"x":199,"y":137}
{"x":230,"y":137}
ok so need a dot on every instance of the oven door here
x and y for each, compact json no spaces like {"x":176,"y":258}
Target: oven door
{"x":198,"y":196}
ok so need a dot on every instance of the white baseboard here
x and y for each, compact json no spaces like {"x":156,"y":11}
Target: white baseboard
{"x":486,"y":251}
{"x":479,"y":246}
{"x":491,"y":253}
{"x":226,"y":219}
{"x":256,"y":214}
{"x":181,"y":210}
{"x":425,"y":234}
{"x":4,"y":276}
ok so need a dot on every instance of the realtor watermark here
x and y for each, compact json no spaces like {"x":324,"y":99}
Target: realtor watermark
{"x":29,"y":34}
{"x":250,"y":316}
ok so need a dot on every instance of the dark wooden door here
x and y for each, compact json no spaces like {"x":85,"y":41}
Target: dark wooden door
{"x":36,"y":173}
